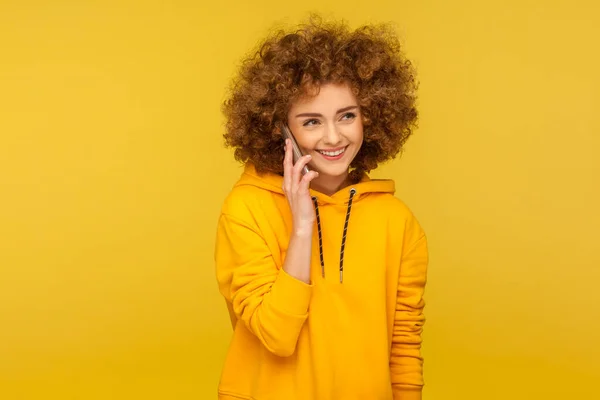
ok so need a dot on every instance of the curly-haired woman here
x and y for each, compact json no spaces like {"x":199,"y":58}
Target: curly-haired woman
{"x":323,"y":272}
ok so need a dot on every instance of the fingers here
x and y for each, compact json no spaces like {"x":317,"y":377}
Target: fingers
{"x":297,"y":170}
{"x":293,"y":180}
{"x":304,"y":185}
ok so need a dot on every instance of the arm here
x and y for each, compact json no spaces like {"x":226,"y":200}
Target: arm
{"x":271,"y":303}
{"x":406,"y":362}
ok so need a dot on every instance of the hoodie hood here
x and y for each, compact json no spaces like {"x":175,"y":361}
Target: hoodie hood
{"x":273,"y":183}
{"x":346,"y":196}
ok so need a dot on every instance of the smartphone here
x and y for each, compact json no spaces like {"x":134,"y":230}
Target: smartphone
{"x":287,"y":134}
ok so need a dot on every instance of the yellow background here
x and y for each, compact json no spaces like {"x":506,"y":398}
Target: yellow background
{"x":112,"y":173}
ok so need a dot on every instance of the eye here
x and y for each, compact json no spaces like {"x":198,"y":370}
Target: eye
{"x":310,"y":122}
{"x":348,"y":116}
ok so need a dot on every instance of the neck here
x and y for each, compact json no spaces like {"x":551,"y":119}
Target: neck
{"x":330,"y":184}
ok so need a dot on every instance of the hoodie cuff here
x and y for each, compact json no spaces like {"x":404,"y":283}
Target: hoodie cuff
{"x":290,"y":295}
{"x":407,"y":393}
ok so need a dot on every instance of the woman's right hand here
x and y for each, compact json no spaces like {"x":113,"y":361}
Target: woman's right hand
{"x":296,"y":189}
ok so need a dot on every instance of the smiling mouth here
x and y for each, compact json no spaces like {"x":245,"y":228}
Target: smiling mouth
{"x":333,"y":153}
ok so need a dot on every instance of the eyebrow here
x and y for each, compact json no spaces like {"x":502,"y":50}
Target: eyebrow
{"x":341,"y":110}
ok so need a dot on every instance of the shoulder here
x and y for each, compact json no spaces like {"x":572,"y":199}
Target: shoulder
{"x":243,"y":201}
{"x":402,"y":221}
{"x":392,"y":206}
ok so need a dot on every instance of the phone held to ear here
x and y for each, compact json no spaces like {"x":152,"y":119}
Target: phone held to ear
{"x":287,"y":134}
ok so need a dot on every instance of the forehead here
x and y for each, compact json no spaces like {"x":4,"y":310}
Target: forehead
{"x":330,"y":96}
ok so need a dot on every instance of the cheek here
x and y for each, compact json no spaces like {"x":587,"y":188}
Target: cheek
{"x":298,"y":132}
{"x":307,"y":144}
{"x":357,"y":135}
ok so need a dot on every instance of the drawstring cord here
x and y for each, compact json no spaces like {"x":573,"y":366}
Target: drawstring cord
{"x":343,"y":247}
{"x":352,"y":193}
{"x":320,"y":237}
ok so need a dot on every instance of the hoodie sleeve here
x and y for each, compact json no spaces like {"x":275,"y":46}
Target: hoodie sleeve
{"x":406,"y":363}
{"x":269,"y":302}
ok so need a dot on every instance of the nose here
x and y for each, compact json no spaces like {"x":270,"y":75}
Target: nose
{"x":332,"y":136}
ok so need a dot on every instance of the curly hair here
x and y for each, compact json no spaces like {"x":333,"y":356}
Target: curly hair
{"x":289,"y":65}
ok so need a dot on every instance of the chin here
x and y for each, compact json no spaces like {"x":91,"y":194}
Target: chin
{"x":332,"y":171}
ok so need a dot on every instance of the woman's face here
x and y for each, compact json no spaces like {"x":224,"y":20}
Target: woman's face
{"x":329,"y":127}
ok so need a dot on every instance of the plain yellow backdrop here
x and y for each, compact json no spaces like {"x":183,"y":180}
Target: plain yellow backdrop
{"x":112,"y":172}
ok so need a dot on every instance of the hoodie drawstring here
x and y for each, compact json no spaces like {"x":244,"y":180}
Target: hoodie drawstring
{"x":348,"y":210}
{"x":352,"y":193}
{"x":320,"y":237}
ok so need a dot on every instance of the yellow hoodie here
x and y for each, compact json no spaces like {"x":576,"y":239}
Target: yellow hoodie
{"x":346,"y":336}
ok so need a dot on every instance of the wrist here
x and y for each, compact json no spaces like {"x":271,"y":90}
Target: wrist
{"x":302,"y":231}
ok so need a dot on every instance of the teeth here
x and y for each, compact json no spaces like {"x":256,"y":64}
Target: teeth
{"x":332,"y":153}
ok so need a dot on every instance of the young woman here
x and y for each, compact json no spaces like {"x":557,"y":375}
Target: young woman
{"x":323,"y":272}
